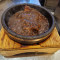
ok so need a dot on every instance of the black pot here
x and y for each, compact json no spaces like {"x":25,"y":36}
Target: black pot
{"x":27,"y":39}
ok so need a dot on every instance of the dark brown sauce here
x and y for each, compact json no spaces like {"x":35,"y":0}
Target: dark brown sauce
{"x":29,"y":22}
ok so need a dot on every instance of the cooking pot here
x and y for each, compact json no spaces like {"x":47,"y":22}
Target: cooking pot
{"x":27,"y":39}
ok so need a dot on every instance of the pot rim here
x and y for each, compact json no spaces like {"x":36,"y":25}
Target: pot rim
{"x":27,"y":37}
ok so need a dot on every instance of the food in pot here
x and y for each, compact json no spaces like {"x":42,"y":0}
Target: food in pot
{"x":28,"y":22}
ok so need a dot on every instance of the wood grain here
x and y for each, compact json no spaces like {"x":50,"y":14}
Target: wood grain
{"x":7,"y":43}
{"x":9,"y":48}
{"x":53,"y":40}
{"x":14,"y":52}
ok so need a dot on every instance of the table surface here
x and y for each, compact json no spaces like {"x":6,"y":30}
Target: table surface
{"x":3,"y":6}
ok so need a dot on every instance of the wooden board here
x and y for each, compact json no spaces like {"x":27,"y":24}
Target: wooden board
{"x":9,"y":48}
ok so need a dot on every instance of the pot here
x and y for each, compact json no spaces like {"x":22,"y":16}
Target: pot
{"x":27,"y":39}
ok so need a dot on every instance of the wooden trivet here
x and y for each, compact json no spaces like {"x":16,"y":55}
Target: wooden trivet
{"x":9,"y":48}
